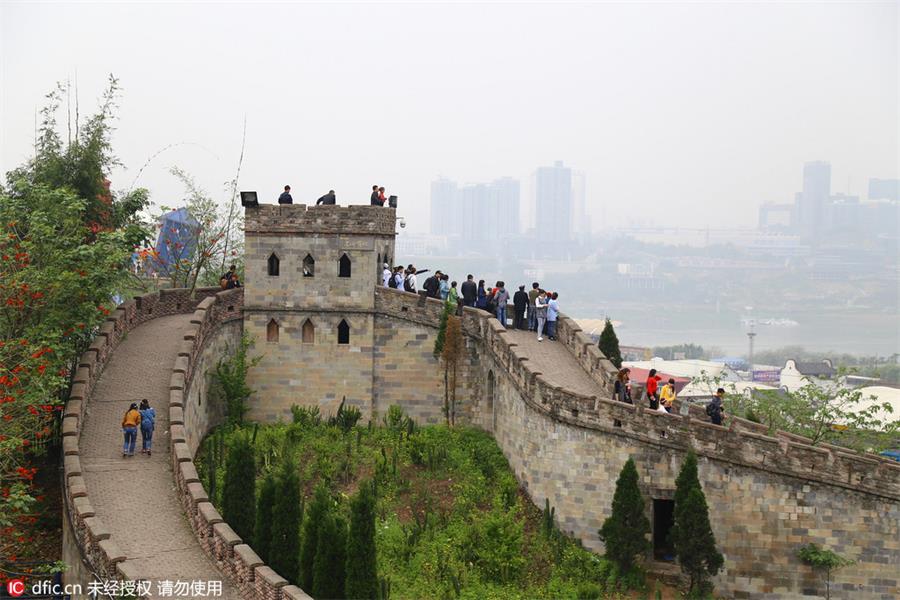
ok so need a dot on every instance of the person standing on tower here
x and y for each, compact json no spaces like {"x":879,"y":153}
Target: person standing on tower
{"x":375,"y":200}
{"x":520,"y":301}
{"x":285,"y":197}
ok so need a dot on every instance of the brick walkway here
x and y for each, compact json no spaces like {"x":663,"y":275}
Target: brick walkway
{"x":135,"y":497}
{"x":556,"y":363}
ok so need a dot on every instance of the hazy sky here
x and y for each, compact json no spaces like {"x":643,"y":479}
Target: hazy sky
{"x":679,"y":113}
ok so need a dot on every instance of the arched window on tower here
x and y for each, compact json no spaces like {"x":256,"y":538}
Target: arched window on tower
{"x":274,"y":264}
{"x":309,"y":266}
{"x":272,"y":332}
{"x":344,"y":266}
{"x":343,"y":332}
{"x":308,"y":332}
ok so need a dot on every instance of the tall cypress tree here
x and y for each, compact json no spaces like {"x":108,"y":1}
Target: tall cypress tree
{"x":239,"y":491}
{"x":609,"y":344}
{"x":695,"y":543}
{"x":319,"y":508}
{"x":331,"y":556}
{"x":284,"y":550}
{"x":362,"y":574}
{"x":262,"y":540}
{"x":625,"y":531}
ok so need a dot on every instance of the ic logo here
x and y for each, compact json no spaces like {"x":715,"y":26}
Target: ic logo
{"x":15,"y":587}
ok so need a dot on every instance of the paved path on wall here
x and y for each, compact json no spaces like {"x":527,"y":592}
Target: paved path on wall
{"x":135,"y":497}
{"x":556,"y":363}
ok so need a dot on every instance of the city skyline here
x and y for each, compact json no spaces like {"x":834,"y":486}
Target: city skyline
{"x":683,"y":114}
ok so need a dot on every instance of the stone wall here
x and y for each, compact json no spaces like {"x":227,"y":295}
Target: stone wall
{"x":86,"y":535}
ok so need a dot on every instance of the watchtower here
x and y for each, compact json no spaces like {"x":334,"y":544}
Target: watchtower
{"x":309,"y":300}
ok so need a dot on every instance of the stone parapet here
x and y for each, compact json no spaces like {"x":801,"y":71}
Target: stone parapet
{"x":90,"y":533}
{"x":290,"y":219}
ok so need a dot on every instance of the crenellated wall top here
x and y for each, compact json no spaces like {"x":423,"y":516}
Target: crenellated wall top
{"x":286,"y":219}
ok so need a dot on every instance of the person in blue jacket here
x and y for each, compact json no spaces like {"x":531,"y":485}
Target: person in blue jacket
{"x":148,"y":424}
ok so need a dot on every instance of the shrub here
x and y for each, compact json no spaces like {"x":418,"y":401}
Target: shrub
{"x":823,"y":560}
{"x":494,"y":545}
{"x":695,"y":544}
{"x":262,"y":539}
{"x":625,"y":531}
{"x":319,"y":508}
{"x":306,"y":416}
{"x":362,"y":576}
{"x":331,"y":551}
{"x":346,"y":417}
{"x":589,"y":591}
{"x":231,"y":374}
{"x":609,"y":344}
{"x":239,"y":492}
{"x":288,"y":514}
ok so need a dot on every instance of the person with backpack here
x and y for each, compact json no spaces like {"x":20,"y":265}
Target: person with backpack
{"x":130,"y":422}
{"x":396,"y":279}
{"x":501,"y":299}
{"x":623,"y":386}
{"x":714,"y":410}
{"x":652,"y":387}
{"x":148,"y":424}
{"x":409,"y":282}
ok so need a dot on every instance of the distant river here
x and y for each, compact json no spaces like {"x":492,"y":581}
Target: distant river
{"x":854,"y":332}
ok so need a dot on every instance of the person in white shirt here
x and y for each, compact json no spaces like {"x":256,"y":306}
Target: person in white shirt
{"x":540,"y":313}
{"x":385,"y":275}
{"x":552,"y":315}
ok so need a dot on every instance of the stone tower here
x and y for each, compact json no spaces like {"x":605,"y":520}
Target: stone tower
{"x":309,"y":301}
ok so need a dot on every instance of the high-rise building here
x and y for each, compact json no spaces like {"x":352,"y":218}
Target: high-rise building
{"x":477,"y":213}
{"x":444,"y":212}
{"x":812,"y":201}
{"x":553,"y":203}
{"x":884,"y":189}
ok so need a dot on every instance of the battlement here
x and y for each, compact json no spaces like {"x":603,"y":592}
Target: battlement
{"x":285,"y":219}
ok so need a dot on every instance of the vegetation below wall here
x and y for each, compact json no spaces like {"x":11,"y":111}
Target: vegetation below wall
{"x":450,"y":519}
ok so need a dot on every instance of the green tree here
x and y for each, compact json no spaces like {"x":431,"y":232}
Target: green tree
{"x":362,"y":574}
{"x":823,"y":560}
{"x":609,"y":344}
{"x":442,"y":330}
{"x":692,"y":536}
{"x":284,"y":551}
{"x":231,"y":375}
{"x":262,"y":539}
{"x":330,"y":561}
{"x":319,"y":508}
{"x":239,"y":491}
{"x":625,"y":531}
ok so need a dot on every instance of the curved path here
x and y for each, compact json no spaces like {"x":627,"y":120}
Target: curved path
{"x":135,"y":497}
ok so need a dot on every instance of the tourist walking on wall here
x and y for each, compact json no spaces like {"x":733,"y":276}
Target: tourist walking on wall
{"x":540,"y":313}
{"x":130,"y":422}
{"x":520,"y":303}
{"x":148,"y":424}
{"x":285,"y":197}
{"x":444,"y":287}
{"x":623,"y":386}
{"x":552,"y":315}
{"x":481,"y":297}
{"x":469,"y":291}
{"x":501,"y":299}
{"x":532,"y":294}
{"x":652,"y":388}
{"x":667,"y":395}
{"x":715,"y":410}
{"x":386,"y":275}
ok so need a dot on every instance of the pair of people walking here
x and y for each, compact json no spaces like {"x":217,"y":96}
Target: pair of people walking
{"x":143,"y":418}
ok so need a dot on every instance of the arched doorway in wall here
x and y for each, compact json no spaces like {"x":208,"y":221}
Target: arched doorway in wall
{"x":491,"y":390}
